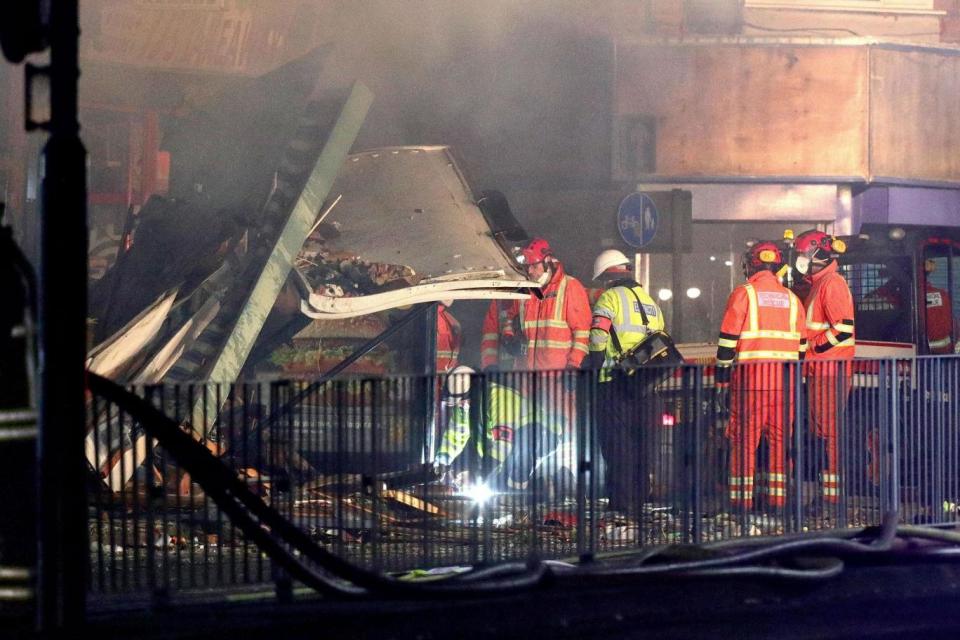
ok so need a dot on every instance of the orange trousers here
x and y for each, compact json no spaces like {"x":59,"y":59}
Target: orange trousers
{"x":827,"y":397}
{"x":755,"y":413}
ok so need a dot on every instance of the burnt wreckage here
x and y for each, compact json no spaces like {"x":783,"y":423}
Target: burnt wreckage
{"x":211,"y":284}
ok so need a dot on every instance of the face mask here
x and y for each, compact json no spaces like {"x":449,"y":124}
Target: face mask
{"x":802,"y":265}
{"x":544,"y":278}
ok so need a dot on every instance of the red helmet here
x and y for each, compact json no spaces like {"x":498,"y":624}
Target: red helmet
{"x":809,"y":242}
{"x":536,"y":251}
{"x":763,"y":254}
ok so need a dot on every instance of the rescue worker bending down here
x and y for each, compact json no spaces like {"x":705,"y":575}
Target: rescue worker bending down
{"x":515,"y":439}
{"x":762,"y":328}
{"x":623,"y":316}
{"x":830,"y":341}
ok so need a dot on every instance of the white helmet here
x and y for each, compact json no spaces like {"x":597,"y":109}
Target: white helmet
{"x":607,"y":259}
{"x":458,"y":381}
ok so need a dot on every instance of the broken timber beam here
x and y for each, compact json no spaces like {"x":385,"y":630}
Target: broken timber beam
{"x":263,"y":295}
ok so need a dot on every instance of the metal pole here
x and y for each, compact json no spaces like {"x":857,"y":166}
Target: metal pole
{"x":62,"y":527}
{"x":894,"y":427}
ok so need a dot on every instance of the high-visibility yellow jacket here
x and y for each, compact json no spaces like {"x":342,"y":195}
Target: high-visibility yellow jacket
{"x":618,"y":310}
{"x":507,"y":415}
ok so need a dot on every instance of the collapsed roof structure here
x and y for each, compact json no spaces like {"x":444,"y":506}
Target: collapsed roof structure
{"x":342,"y":236}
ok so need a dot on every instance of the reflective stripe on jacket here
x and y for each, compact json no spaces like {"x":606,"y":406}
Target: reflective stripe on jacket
{"x":763,"y":321}
{"x":830,"y":330}
{"x":507,"y":415}
{"x":939,"y":320}
{"x":618,"y":310}
{"x":556,"y":329}
{"x":448,"y":340}
{"x":494,"y":323}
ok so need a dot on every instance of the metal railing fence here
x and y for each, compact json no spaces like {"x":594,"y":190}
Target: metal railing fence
{"x":414,"y":473}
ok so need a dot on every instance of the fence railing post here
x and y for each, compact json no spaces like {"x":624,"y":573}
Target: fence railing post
{"x":697,"y":452}
{"x":844,"y":448}
{"x":283,"y":585}
{"x":935,"y":371}
{"x":799,"y":413}
{"x":894,"y":438}
{"x":585,"y":464}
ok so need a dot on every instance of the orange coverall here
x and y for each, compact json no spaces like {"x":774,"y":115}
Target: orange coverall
{"x":939,"y":319}
{"x":830,"y":337}
{"x":448,"y":340}
{"x":762,"y":328}
{"x":556,"y":329}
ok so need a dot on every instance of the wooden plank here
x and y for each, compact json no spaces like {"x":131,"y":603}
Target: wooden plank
{"x":293,"y":233}
{"x":748,"y":110}
{"x":915,"y":129}
{"x":347,"y":503}
{"x":413,"y":501}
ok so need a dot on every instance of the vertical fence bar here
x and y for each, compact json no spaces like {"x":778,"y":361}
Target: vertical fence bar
{"x":844,"y":446}
{"x":939,"y":475}
{"x":695,"y":452}
{"x":376,"y":425}
{"x":799,"y":428}
{"x":585,"y":465}
{"x":98,"y":495}
{"x":149,"y":497}
{"x":278,"y":419}
{"x":238,"y":443}
{"x":895,"y":439}
{"x":948,"y":513}
{"x":897,"y":449}
{"x":125,"y":426}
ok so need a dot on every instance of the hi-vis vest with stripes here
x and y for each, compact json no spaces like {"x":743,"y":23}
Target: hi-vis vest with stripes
{"x":622,"y":308}
{"x":507,"y":414}
{"x":549,"y":337}
{"x":939,"y":320}
{"x":769,"y":329}
{"x":448,"y":340}
{"x":767,"y":344}
{"x":830,"y":330}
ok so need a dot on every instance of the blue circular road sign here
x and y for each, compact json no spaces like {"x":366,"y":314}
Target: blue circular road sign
{"x":637,"y":219}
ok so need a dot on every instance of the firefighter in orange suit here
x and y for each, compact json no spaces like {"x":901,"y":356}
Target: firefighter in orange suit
{"x":763,"y":327}
{"x":499,"y":342}
{"x":448,"y":338}
{"x":555,"y":329}
{"x":939,"y":314}
{"x":830,"y":342}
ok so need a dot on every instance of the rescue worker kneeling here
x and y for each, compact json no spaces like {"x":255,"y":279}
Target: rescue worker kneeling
{"x":515,"y":438}
{"x":762,"y":332}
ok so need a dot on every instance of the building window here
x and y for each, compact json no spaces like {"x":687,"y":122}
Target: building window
{"x":692,"y":288}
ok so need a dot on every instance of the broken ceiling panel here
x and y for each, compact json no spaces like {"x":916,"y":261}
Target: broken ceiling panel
{"x":403,"y":227}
